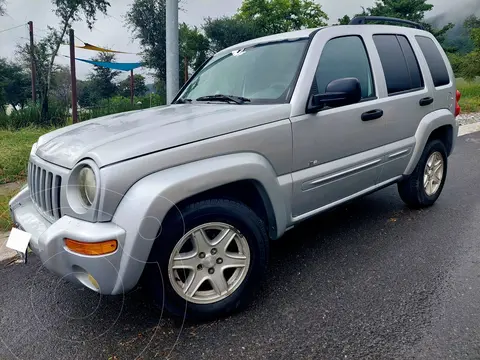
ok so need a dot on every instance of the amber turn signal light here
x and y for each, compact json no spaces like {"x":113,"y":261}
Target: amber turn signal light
{"x":87,"y":248}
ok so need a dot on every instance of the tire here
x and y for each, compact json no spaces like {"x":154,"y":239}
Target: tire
{"x":248,"y":232}
{"x":412,"y":189}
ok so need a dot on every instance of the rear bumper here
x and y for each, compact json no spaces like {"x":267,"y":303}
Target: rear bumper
{"x":48,"y":243}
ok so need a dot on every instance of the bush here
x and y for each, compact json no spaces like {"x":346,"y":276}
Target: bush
{"x":30,"y":116}
{"x":119,"y":104}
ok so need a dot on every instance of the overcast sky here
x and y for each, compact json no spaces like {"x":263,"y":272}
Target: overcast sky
{"x":110,"y":31}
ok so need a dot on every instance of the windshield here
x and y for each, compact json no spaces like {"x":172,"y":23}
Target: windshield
{"x":263,"y":74}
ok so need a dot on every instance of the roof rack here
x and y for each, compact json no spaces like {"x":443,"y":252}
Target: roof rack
{"x":361,"y":20}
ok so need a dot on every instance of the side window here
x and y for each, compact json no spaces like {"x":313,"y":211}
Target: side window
{"x":412,"y":63}
{"x":341,"y":58}
{"x":434,"y":60}
{"x":399,"y":63}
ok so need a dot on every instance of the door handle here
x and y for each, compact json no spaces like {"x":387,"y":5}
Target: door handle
{"x":426,"y":101}
{"x":372,"y":115}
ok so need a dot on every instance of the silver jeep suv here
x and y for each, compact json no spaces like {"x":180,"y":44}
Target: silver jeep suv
{"x":267,"y":133}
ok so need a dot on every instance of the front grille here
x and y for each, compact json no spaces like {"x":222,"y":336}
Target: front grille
{"x":45,"y":190}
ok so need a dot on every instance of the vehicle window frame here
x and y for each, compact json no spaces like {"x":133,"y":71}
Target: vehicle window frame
{"x":369,"y":60}
{"x":428,"y":64}
{"x":286,"y":98}
{"x":422,"y":75}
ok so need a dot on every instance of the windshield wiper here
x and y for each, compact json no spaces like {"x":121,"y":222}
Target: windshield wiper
{"x":183,"y":101}
{"x":227,"y":98}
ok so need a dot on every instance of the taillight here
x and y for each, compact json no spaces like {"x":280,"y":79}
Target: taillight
{"x":457,"y":106}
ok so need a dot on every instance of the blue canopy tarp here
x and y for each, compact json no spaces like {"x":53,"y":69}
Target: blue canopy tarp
{"x":115,"y":66}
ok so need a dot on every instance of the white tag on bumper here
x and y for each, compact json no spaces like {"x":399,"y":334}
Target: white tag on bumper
{"x":18,"y":241}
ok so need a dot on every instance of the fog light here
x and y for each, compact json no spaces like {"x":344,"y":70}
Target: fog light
{"x":87,"y":248}
{"x":93,"y":281}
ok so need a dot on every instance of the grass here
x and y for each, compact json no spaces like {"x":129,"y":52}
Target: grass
{"x":15,"y":149}
{"x":5,"y":196}
{"x":470,"y":100}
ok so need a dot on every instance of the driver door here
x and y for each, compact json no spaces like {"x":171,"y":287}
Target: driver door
{"x":338,"y":152}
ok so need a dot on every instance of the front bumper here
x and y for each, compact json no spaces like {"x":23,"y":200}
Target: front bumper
{"x":48,"y":243}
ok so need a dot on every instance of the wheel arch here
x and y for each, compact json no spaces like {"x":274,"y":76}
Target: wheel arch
{"x":439,"y":124}
{"x":250,"y":192}
{"x":144,"y":207}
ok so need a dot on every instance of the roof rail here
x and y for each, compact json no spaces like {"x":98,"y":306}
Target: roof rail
{"x":361,"y":20}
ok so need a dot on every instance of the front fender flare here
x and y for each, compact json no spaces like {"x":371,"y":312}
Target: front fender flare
{"x":147,"y":202}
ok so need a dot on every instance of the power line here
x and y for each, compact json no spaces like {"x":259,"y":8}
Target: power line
{"x":15,"y":27}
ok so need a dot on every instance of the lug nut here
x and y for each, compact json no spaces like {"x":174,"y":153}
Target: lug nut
{"x":201,"y":255}
{"x":219,"y":260}
{"x":211,"y":270}
{"x":199,"y":267}
{"x":214,"y":251}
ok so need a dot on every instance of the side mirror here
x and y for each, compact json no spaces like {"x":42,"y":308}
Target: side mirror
{"x":338,"y":92}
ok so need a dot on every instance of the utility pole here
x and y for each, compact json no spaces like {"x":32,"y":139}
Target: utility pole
{"x":172,"y":49}
{"x":74,"y":76}
{"x":132,"y":85}
{"x":185,"y":65}
{"x":32,"y":59}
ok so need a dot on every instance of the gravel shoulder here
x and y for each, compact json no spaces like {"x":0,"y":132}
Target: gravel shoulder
{"x":468,"y":118}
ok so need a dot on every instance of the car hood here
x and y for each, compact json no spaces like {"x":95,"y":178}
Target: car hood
{"x":118,"y":137}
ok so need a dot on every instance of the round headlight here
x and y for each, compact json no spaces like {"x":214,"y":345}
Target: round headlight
{"x":87,"y":185}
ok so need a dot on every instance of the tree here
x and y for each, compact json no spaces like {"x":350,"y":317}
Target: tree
{"x":413,"y":10}
{"x":146,"y":19}
{"x":102,"y":78}
{"x":61,"y":86}
{"x":224,"y":32}
{"x":68,"y":11}
{"x":470,"y":67}
{"x":276,"y":16}
{"x":138,"y":84}
{"x":345,"y":20}
{"x":15,"y":87}
{"x":87,"y":97}
{"x":194,"y":47}
{"x":2,"y":7}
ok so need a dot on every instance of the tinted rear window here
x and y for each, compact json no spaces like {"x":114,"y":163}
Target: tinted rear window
{"x":412,"y":63}
{"x":434,"y":60}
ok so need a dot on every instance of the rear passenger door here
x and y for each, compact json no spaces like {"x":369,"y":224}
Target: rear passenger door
{"x":407,"y":99}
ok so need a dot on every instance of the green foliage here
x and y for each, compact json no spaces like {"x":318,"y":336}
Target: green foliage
{"x":345,"y":20}
{"x":276,"y":16}
{"x":227,"y":31}
{"x":146,"y":19}
{"x":413,"y":10}
{"x":470,"y":67}
{"x":46,"y":50}
{"x":30,"y":115}
{"x":61,"y":86}
{"x":16,"y":146}
{"x":15,"y":84}
{"x":119,"y":104}
{"x":194,"y":47}
{"x":69,"y":11}
{"x":86,"y":93}
{"x":470,"y":100}
{"x":138,"y":83}
{"x":102,"y":78}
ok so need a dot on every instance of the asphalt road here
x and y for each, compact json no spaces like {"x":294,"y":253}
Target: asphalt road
{"x":371,"y":279}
